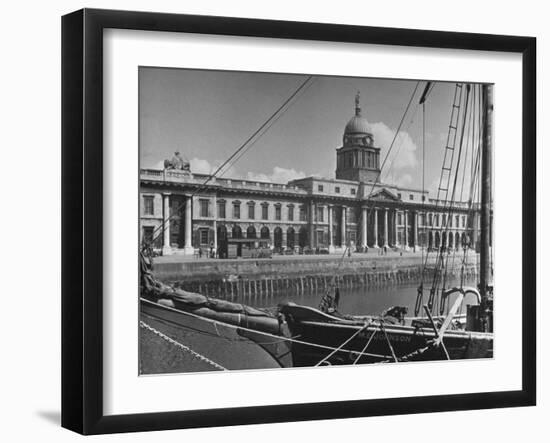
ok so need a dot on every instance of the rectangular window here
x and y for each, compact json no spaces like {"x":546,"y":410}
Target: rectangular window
{"x":352,"y":191}
{"x":423,"y":198}
{"x":463,"y":221}
{"x":148,"y":234}
{"x":251,"y":212}
{"x":337,"y":189}
{"x":320,"y":188}
{"x":399,"y":219}
{"x":204,"y":208}
{"x":236,"y":210}
{"x":320,"y":214}
{"x":277,"y":212}
{"x":303,"y":213}
{"x":436,"y":219}
{"x":411,"y":197}
{"x":204,"y":236}
{"x":264,"y":212}
{"x":444,"y":223}
{"x":149,"y":205}
{"x":221,"y":209}
{"x":291,"y":213}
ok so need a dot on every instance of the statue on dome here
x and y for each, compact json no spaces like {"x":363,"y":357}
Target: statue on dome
{"x":178,"y":163}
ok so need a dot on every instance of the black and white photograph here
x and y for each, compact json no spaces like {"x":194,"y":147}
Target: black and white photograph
{"x":296,"y":220}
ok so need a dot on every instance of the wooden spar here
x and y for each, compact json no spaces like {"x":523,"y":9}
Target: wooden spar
{"x":486,"y":181}
{"x":485,"y":278}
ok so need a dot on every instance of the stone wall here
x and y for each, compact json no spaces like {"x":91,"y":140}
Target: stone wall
{"x":227,"y":278}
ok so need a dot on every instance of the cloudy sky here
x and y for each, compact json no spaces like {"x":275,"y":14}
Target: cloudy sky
{"x":207,"y":115}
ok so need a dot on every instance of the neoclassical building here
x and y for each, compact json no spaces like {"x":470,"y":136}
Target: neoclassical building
{"x":181,"y":211}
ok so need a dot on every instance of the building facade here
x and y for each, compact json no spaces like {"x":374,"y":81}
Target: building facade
{"x":181,"y":212}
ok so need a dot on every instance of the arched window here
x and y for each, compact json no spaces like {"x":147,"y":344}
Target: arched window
{"x":236,"y":232}
{"x":251,"y":232}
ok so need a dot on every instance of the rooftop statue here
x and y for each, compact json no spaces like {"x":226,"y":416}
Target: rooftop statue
{"x":177,"y":163}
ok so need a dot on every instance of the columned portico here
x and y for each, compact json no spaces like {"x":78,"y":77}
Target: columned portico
{"x":166,"y":249}
{"x":292,"y":212}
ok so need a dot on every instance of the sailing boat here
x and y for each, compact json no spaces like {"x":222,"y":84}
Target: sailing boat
{"x":328,"y":338}
{"x":219,"y":334}
{"x":216,"y":334}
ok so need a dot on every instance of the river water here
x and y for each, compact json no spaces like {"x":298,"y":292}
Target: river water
{"x":365,"y":301}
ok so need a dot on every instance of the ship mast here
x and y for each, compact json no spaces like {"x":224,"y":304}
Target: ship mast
{"x":485,"y":280}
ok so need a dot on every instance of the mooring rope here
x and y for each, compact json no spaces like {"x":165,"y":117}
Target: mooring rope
{"x":182,"y":347}
{"x":292,"y":340}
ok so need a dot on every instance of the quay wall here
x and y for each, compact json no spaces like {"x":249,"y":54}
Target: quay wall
{"x":265,"y":277}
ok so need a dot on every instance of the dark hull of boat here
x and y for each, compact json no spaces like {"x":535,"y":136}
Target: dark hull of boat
{"x":318,"y":336}
{"x":215,"y":344}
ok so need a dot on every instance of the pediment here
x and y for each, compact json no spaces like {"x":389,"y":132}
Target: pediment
{"x":384,"y":195}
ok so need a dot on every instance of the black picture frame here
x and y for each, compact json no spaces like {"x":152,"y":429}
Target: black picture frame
{"x":82,"y":219}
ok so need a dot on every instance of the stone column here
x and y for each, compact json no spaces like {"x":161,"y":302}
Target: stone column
{"x":375,"y":245}
{"x":343,"y":227}
{"x":415,"y":231}
{"x":385,"y":227}
{"x":364,"y":242}
{"x":330,"y":244}
{"x":396,"y":238}
{"x":406,"y":229}
{"x":166,"y":249}
{"x":188,"y":249}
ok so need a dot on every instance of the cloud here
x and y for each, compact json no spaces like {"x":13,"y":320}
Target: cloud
{"x":158,"y":165}
{"x":202,"y":166}
{"x":404,"y":149}
{"x":278,"y":175}
{"x":404,"y":180}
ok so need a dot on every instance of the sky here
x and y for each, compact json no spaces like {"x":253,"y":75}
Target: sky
{"x":207,"y":115}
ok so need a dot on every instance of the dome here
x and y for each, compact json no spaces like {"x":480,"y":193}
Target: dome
{"x":357,"y":124}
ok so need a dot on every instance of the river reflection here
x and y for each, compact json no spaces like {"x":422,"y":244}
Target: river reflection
{"x":365,"y":301}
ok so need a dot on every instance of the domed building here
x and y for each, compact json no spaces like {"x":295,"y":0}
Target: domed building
{"x":358,"y":159}
{"x":182,"y":212}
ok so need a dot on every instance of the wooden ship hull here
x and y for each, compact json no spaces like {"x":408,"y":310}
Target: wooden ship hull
{"x":175,"y":341}
{"x":324,"y":339}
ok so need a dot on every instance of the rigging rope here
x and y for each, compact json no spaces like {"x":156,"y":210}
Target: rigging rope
{"x":210,"y":177}
{"x":268,"y":334}
{"x":375,"y":181}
